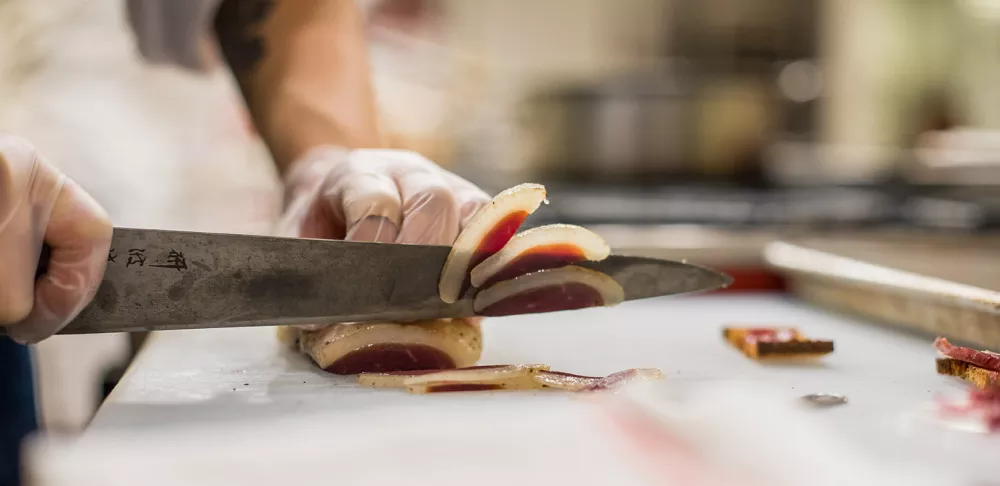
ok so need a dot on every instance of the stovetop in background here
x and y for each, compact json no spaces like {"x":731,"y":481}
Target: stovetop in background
{"x":963,"y":210}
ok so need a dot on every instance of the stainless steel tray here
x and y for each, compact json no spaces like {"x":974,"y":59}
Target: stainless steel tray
{"x":948,"y":286}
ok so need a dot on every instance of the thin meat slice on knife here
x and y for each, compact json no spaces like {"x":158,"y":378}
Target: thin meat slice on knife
{"x":541,"y":248}
{"x":558,"y":289}
{"x":487,"y":232}
{"x":378,"y":347}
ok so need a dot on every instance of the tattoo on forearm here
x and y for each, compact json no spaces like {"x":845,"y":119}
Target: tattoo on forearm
{"x":238,"y":28}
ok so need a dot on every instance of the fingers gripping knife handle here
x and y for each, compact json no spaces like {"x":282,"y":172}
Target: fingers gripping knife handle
{"x":43,"y":266}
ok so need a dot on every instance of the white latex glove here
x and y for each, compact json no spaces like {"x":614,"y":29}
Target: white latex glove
{"x":389,"y":196}
{"x":39,"y":204}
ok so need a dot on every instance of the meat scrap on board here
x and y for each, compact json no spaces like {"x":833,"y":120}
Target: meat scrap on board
{"x":981,"y":368}
{"x":775,"y":342}
{"x":502,"y":377}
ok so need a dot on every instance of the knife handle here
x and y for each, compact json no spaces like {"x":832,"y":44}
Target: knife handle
{"x":43,"y":261}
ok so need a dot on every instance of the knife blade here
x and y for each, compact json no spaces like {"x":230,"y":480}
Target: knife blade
{"x":167,"y":280}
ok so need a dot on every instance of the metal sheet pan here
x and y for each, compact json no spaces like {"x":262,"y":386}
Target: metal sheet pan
{"x":941,"y":285}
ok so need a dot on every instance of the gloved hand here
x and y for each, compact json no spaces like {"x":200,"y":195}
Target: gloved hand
{"x":376,"y":195}
{"x":39,"y":204}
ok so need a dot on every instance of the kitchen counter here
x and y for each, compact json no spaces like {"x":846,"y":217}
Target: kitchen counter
{"x":243,"y":376}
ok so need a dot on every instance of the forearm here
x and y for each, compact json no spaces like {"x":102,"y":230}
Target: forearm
{"x":302,"y":66}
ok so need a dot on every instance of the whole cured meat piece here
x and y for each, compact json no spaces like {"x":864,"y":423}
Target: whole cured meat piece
{"x":982,"y":359}
{"x":347,"y":349}
{"x":553,"y":290}
{"x":487,"y":232}
{"x":541,"y":248}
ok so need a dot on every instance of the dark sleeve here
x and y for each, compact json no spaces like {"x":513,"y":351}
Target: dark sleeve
{"x":17,"y":407}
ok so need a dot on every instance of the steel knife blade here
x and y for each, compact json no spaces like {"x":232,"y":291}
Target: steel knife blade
{"x":166,"y":280}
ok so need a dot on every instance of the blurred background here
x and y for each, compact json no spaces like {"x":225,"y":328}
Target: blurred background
{"x":697,"y":129}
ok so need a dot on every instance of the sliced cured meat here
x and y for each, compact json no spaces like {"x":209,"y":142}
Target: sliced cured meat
{"x":558,"y":380}
{"x":500,"y":377}
{"x":617,"y":380}
{"x":487,"y":232}
{"x":571,"y":382}
{"x":552,"y":290}
{"x":983,"y":359}
{"x":397,"y":379}
{"x":379,"y":347}
{"x":513,"y":377}
{"x":541,"y":248}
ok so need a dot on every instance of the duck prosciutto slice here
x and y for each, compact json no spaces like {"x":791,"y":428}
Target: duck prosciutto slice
{"x":511,"y":377}
{"x":501,"y":377}
{"x":347,"y":349}
{"x":397,"y":379}
{"x":541,"y":248}
{"x":618,"y":380}
{"x":487,"y":232}
{"x":473,"y":378}
{"x":552,"y":290}
{"x":570,"y":382}
{"x":983,"y":359}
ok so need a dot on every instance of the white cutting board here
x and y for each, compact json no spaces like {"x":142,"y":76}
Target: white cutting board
{"x":245,"y":376}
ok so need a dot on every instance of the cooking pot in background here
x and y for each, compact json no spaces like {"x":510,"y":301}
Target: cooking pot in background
{"x":649,"y":129}
{"x":622,"y":130}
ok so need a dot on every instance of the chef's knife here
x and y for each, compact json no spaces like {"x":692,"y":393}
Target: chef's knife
{"x":163,"y":280}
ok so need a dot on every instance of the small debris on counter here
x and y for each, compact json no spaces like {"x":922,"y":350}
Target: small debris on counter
{"x":825,"y":399}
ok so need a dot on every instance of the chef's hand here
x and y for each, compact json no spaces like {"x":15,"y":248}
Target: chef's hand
{"x":389,"y":196}
{"x":40,"y":204}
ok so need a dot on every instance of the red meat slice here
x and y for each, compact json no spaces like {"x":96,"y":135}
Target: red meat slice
{"x":541,"y":248}
{"x":488,"y":231}
{"x":553,"y":290}
{"x":381,"y":347}
{"x":982,"y":359}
